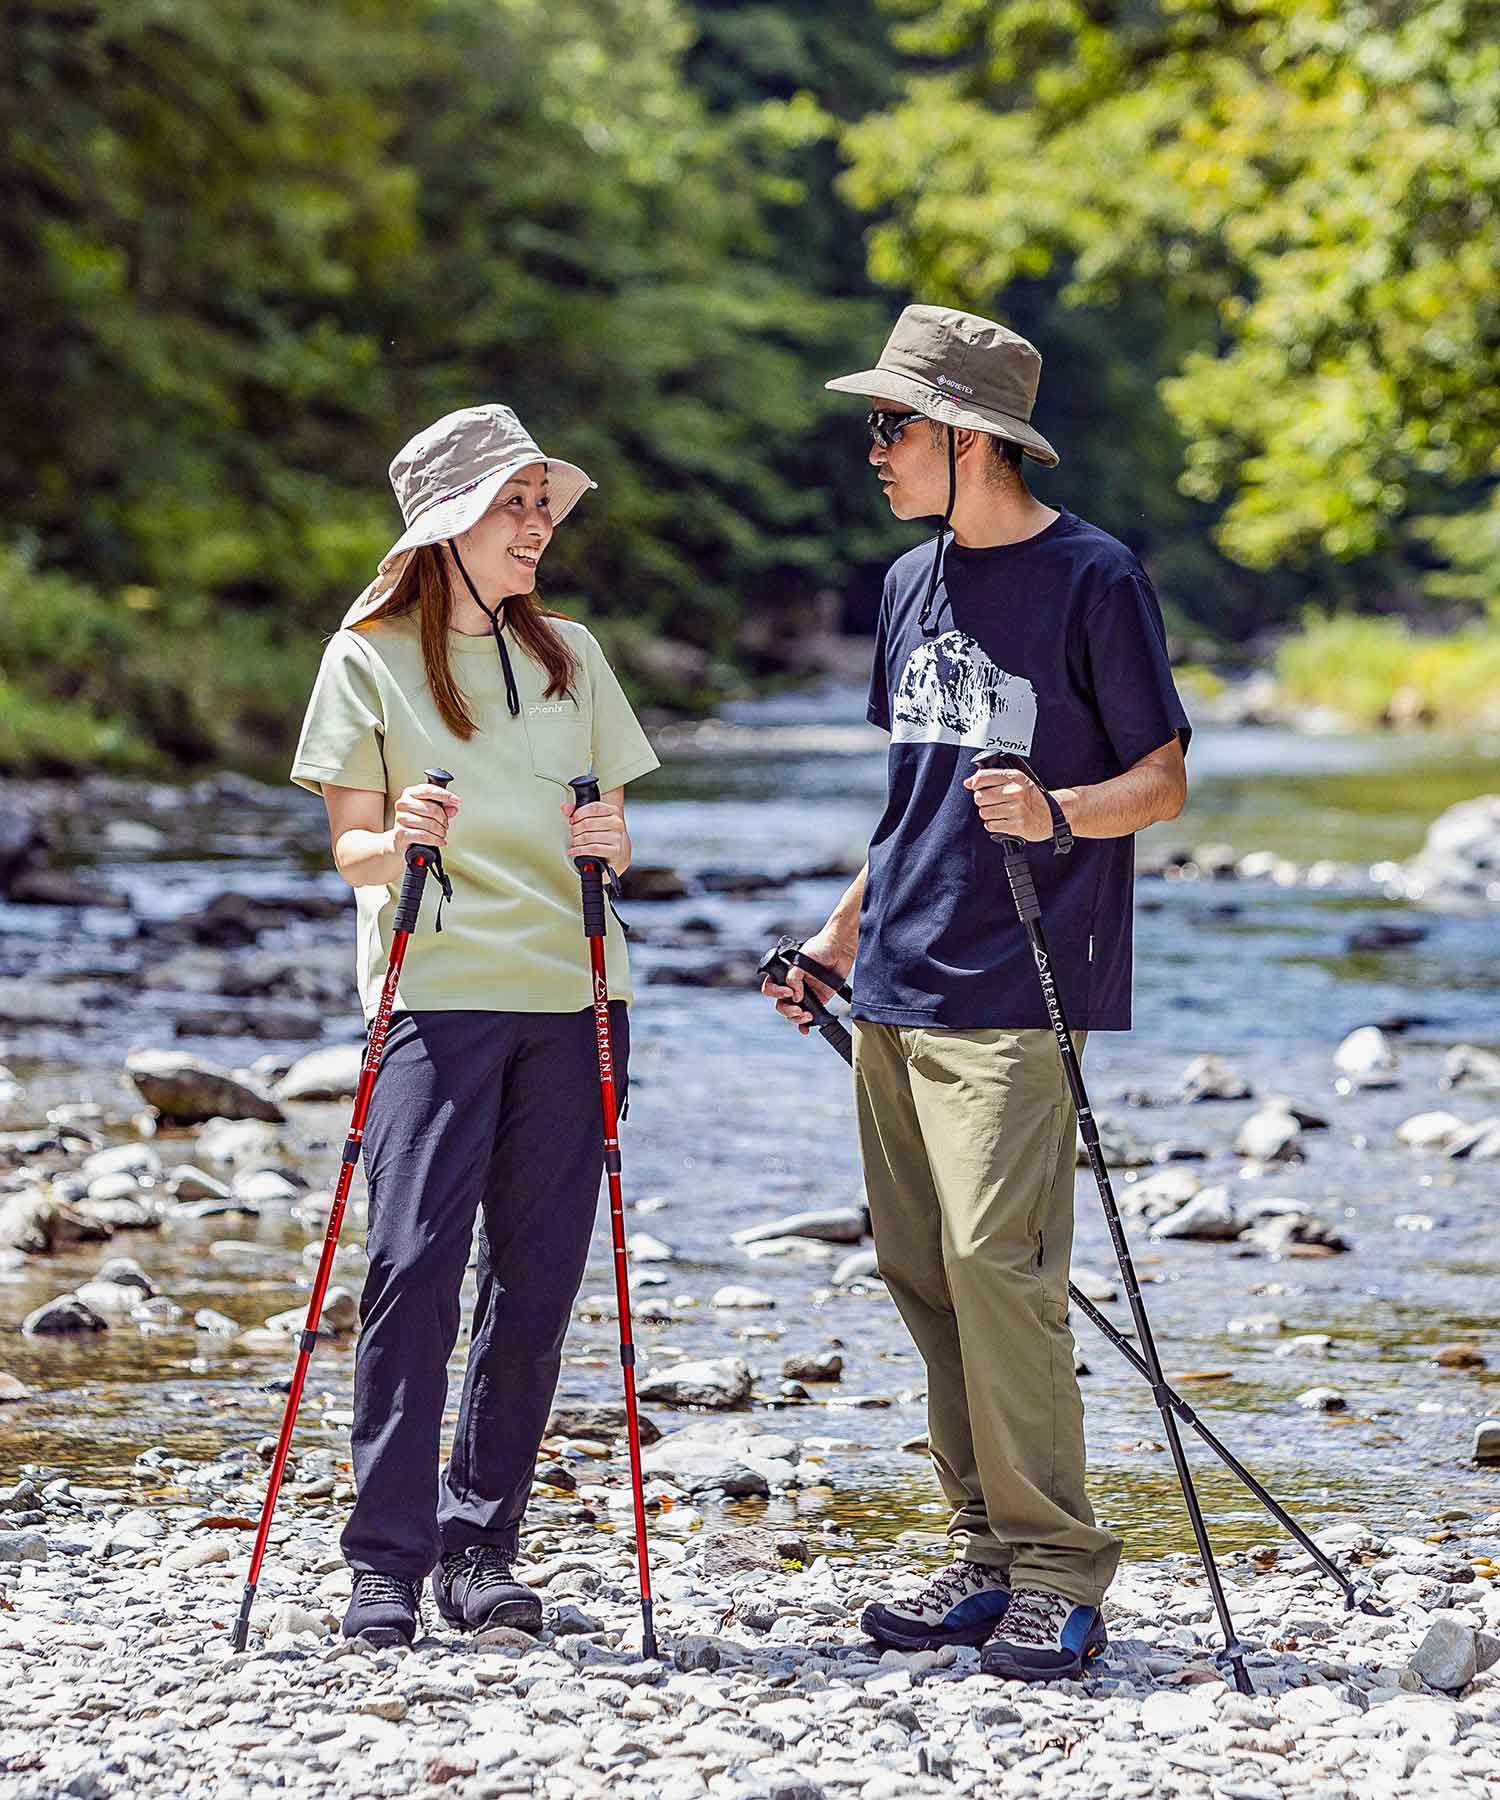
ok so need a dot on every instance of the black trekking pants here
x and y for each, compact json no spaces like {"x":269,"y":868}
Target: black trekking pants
{"x":494,"y":1115}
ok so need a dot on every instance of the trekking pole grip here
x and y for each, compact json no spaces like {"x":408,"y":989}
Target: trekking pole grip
{"x":590,"y":869}
{"x":420,"y":858}
{"x":1013,"y":849}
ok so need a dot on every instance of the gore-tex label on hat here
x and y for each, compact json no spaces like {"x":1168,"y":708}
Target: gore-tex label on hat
{"x":947,"y":381}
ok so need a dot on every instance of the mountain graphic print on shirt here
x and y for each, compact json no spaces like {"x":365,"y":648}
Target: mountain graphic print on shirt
{"x":950,"y":692}
{"x":1053,"y":648}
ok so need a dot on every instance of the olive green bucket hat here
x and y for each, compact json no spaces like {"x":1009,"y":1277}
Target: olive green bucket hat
{"x":446,"y":477}
{"x":960,"y":370}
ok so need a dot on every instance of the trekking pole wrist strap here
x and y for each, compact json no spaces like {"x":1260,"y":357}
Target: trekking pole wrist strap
{"x":809,"y":965}
{"x":1062,"y":831}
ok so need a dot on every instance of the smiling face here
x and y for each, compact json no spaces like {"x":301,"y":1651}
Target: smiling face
{"x":502,"y":551}
{"x":913,"y":473}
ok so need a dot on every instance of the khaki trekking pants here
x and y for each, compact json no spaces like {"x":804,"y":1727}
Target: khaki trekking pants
{"x":967,"y":1140}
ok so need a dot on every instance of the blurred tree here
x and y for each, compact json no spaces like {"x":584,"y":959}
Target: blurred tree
{"x":1309,"y":185}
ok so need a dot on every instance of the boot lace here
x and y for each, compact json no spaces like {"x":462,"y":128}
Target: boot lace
{"x":1035,"y":1617}
{"x":953,"y":1584}
{"x":377,"y":1588}
{"x":486,"y":1566}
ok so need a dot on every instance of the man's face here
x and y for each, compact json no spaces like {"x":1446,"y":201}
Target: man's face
{"x":913,"y":473}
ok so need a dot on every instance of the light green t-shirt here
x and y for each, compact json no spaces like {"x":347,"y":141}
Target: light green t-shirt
{"x":512,"y":939}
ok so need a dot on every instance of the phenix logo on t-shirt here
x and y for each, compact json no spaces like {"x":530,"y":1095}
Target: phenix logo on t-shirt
{"x":950,"y":692}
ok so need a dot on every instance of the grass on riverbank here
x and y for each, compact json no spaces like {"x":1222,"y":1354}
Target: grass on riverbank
{"x":1381,"y":672}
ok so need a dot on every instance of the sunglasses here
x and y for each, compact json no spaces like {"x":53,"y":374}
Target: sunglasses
{"x":886,"y":427}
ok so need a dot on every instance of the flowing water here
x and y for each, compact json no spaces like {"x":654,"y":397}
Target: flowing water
{"x":736,"y":1120}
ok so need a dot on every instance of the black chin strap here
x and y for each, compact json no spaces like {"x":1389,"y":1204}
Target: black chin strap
{"x":492,"y":613}
{"x":929,"y":629}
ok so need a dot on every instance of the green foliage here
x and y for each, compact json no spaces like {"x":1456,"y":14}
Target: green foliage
{"x":1310,"y":184}
{"x":1381,"y":672}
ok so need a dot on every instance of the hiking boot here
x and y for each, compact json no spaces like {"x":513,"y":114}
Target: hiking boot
{"x":477,"y":1587}
{"x":1044,"y":1638}
{"x":962,"y":1604}
{"x":383,"y":1609}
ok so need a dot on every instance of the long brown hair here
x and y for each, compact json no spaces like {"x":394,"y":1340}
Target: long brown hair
{"x":423,"y":589}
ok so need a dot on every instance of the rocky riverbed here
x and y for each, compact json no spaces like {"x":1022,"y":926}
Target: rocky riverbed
{"x":1304,"y":1125}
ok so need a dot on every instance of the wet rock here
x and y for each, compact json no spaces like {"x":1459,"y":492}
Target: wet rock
{"x":820,"y":1365}
{"x":647,"y":881}
{"x":1160,"y":1195}
{"x":742,"y":1299}
{"x":114,"y":1187}
{"x":862,"y":1265}
{"x":1266,"y":1324}
{"x":1367,"y":1058}
{"x":1486,"y":1447}
{"x":1271,"y":1135}
{"x":1430,"y":1130}
{"x":216,"y":1324}
{"x":12,"y":1389}
{"x":188,"y":1091}
{"x":125,"y":1213}
{"x":37,"y":1222}
{"x":1292,"y":1232}
{"x":1308,"y":1343}
{"x":600,"y":1424}
{"x":1477,"y":1143}
{"x":38,"y":1002}
{"x":22,"y":840}
{"x":1384,"y":936}
{"x":140,"y":1161}
{"x":719,"y":1383}
{"x":1121,"y":1148}
{"x":186,"y":1183}
{"x":268,"y":1187}
{"x":234,"y":1143}
{"x":60,"y":887}
{"x":1210,"y":1216}
{"x":644,"y":1248}
{"x":1322,"y":1399}
{"x":1211,"y":1078}
{"x":281,"y":1024}
{"x":1466,"y":1065}
{"x":1459,"y":864}
{"x":1094,"y":1286}
{"x":331,"y":1073}
{"x":340,"y":1314}
{"x":830,"y":1225}
{"x":119,"y":1287}
{"x":1458,"y":1356}
{"x":67,"y":1316}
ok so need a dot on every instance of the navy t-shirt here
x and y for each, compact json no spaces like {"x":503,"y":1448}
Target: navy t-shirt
{"x":1053,"y":647}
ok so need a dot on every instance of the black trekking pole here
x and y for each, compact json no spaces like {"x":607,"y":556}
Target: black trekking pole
{"x":421,"y":859}
{"x":593,"y":873}
{"x":777,"y":964}
{"x":1029,"y":911}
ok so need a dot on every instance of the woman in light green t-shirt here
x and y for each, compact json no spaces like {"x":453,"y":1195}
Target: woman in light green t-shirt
{"x":487,"y":1103}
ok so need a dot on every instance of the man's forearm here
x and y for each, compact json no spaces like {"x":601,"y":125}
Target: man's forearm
{"x":843,"y":921}
{"x":1143,"y":795}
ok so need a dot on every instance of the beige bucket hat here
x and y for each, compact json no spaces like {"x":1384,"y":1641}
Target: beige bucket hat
{"x":960,"y":370}
{"x":446,"y":477}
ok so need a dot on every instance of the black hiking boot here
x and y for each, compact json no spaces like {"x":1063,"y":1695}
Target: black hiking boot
{"x":476,"y":1587}
{"x":383,"y":1609}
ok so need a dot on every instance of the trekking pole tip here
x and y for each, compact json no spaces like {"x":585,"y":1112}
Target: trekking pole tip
{"x":239,"y":1634}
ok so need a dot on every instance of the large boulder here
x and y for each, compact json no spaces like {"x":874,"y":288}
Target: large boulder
{"x":186,"y":1090}
{"x":66,"y":1316}
{"x":1459,"y":864}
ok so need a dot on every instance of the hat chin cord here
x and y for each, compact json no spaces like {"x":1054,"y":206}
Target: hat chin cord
{"x":492,"y":613}
{"x":928,"y":629}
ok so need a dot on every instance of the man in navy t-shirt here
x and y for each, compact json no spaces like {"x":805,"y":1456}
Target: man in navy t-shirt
{"x":1020,"y":628}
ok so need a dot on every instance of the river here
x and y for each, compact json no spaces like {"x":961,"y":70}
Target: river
{"x":736,"y":1120}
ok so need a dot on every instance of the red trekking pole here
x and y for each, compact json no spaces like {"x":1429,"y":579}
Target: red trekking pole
{"x":421,"y":859}
{"x":593,"y":872}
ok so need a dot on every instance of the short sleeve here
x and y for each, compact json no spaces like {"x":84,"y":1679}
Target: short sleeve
{"x":620,"y":749}
{"x":344,"y":727}
{"x":1131,"y":677}
{"x":878,"y":704}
